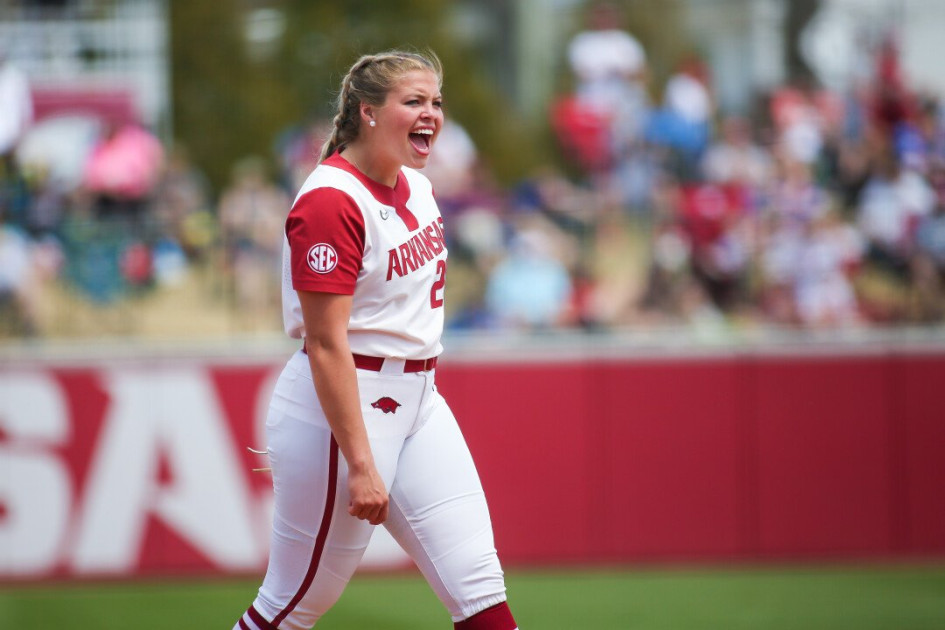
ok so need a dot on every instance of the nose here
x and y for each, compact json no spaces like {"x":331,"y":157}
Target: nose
{"x":429,"y":111}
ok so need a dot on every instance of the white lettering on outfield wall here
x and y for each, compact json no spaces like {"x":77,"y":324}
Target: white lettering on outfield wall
{"x":155,"y":446}
{"x":173,"y":413}
{"x":35,"y":488}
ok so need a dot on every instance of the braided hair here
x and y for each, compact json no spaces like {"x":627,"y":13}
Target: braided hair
{"x":368,"y":81}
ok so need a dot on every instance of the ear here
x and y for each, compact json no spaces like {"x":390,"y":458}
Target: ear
{"x":367,"y":113}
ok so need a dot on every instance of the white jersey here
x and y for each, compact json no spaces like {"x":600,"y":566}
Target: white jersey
{"x":348,"y":234}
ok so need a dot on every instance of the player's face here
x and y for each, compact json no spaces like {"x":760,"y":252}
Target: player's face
{"x":410,"y":120}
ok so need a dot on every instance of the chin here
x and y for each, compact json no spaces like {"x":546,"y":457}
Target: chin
{"x":418,"y":162}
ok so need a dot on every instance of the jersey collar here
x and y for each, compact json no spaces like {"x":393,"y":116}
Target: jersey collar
{"x":395,"y":196}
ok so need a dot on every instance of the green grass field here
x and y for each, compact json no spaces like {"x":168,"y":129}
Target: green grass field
{"x":862,"y":598}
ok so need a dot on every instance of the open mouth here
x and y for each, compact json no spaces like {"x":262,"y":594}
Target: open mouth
{"x":421,"y":140}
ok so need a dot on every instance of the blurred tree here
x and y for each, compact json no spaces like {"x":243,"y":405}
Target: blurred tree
{"x":224,"y":107}
{"x":799,"y":15}
{"x":659,"y":25}
{"x":230,"y":101}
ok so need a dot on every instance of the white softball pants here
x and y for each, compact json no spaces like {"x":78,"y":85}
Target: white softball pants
{"x":438,"y":511}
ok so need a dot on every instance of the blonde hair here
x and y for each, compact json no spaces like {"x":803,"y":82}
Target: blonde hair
{"x":368,"y":81}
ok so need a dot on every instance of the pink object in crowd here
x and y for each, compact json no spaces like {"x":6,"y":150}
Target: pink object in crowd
{"x":125,"y":164}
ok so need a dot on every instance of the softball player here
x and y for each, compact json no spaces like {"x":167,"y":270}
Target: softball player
{"x":357,"y":433}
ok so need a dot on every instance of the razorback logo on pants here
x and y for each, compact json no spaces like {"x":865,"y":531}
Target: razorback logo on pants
{"x":386,"y":404}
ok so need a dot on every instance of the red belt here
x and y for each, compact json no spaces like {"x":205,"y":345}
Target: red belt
{"x":411,"y":365}
{"x":375,"y":364}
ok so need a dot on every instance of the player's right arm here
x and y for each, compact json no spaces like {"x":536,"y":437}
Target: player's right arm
{"x":326,"y":318}
{"x":325,"y":231}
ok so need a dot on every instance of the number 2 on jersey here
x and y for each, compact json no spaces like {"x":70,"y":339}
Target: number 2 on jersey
{"x":436,"y":293}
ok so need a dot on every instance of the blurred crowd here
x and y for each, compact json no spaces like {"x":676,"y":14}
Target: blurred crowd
{"x":815,"y":209}
{"x":99,"y":208}
{"x":820,"y":209}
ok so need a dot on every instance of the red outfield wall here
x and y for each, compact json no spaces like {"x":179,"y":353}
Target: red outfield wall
{"x":738,"y":457}
{"x":138,"y":466}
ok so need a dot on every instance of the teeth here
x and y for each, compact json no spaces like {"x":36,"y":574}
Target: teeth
{"x":425,"y":132}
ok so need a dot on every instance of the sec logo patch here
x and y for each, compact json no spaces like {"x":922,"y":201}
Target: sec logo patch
{"x":322,"y":258}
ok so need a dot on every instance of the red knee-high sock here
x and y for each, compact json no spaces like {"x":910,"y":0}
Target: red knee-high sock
{"x":498,"y":617}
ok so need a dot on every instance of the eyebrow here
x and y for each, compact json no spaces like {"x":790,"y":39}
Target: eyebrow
{"x":416,"y":94}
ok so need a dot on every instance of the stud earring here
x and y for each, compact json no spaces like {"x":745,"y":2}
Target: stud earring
{"x":373,"y":124}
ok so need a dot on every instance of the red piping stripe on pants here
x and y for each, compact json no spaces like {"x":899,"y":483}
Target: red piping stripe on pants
{"x":258,"y":619}
{"x":319,"y":539}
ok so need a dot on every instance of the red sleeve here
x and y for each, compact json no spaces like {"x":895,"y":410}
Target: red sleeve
{"x":325,"y":229}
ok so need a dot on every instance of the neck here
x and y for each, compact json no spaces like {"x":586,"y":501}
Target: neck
{"x":367,"y":164}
